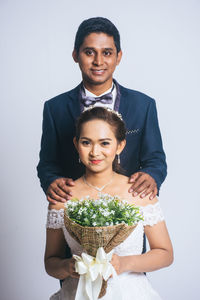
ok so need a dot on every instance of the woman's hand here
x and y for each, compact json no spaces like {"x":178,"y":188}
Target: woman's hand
{"x":70,"y":267}
{"x":116,"y":261}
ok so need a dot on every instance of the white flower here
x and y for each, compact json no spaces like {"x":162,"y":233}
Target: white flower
{"x":106,"y":206}
{"x":105,"y":213}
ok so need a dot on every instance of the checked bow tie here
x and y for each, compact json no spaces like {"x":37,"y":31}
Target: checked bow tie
{"x":88,"y":101}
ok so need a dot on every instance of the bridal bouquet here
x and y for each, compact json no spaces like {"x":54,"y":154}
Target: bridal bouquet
{"x":99,"y":226}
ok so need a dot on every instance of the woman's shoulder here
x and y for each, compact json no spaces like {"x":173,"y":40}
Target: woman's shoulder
{"x":122,"y":181}
{"x":124,"y":185}
{"x":56,"y":206}
{"x":145,"y":201}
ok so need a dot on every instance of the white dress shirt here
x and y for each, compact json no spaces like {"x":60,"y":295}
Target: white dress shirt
{"x":114,"y":94}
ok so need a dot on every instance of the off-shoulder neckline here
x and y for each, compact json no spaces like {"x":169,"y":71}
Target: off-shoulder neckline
{"x":140,"y":206}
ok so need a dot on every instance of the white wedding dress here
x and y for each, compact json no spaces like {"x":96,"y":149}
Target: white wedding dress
{"x":133,"y":286}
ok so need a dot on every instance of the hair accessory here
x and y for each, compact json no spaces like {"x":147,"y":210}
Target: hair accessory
{"x":108,"y":109}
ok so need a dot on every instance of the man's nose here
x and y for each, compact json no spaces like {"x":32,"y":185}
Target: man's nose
{"x":98,"y":59}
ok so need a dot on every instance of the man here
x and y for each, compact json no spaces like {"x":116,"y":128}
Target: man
{"x":97,"y":50}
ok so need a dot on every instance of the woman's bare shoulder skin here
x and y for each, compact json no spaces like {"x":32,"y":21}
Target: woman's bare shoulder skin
{"x":124,"y":186}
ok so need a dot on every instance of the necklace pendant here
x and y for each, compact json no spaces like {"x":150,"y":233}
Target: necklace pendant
{"x":99,"y":189}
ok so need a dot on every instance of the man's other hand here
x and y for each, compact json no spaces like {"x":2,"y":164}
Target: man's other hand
{"x":143,"y":184}
{"x":59,"y":190}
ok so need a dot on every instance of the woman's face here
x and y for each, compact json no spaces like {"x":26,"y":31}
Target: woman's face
{"x":98,"y":146}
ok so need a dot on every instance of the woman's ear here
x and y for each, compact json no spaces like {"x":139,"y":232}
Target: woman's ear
{"x":75,"y":143}
{"x":120,"y":147}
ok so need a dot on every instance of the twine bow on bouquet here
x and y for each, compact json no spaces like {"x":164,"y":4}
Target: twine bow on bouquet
{"x":98,"y":226}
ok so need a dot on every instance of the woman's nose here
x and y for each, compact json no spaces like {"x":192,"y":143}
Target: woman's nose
{"x":94,"y":150}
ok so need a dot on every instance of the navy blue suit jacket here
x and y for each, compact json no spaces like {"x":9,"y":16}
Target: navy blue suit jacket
{"x":143,"y":151}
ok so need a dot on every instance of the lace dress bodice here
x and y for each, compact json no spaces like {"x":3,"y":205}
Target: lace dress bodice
{"x":133,"y":245}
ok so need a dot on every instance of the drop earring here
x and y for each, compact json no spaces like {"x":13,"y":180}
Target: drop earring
{"x":79,"y":160}
{"x":118,"y":159}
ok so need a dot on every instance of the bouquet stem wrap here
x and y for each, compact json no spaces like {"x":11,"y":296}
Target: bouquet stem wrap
{"x":93,"y":238}
{"x":92,"y":271}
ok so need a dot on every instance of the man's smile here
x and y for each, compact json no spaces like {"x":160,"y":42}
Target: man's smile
{"x":98,"y":72}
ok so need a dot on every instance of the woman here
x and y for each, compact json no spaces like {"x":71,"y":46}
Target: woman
{"x":100,"y":138}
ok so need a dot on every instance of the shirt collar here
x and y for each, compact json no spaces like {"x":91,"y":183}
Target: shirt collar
{"x":89,"y":94}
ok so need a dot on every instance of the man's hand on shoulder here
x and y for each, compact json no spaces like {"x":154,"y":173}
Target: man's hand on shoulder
{"x":143,"y":184}
{"x":59,"y":190}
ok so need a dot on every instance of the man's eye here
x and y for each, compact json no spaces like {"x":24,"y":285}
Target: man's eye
{"x":107,"y":53}
{"x":88,"y":52}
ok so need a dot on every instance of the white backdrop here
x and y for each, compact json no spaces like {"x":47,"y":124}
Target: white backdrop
{"x":160,"y":41}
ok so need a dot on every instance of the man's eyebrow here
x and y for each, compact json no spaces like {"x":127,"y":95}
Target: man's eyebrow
{"x":92,"y":48}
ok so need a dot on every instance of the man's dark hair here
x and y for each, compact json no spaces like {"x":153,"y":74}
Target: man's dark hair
{"x":98,"y":25}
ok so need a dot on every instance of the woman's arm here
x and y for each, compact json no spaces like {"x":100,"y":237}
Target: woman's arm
{"x":56,"y":263}
{"x":159,"y":256}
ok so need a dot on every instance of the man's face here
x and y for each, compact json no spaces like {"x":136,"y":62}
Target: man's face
{"x":97,"y":59}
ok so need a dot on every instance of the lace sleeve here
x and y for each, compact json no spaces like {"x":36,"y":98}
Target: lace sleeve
{"x":152,"y":214}
{"x":55,"y":219}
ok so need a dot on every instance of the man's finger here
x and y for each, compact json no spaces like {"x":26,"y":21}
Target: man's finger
{"x":66,"y":190}
{"x":59,"y":192}
{"x":51,"y":200}
{"x":136,"y":184}
{"x":54,"y":196}
{"x":134,"y":177}
{"x":69,"y":181}
{"x":141,"y":188}
{"x":148,"y":191}
{"x":153,"y":195}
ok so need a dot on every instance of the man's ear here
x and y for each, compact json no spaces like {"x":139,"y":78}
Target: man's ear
{"x":119,"y":57}
{"x":75,"y":143}
{"x":121,"y":146}
{"x":75,"y":56}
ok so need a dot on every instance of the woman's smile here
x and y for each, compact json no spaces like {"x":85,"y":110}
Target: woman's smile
{"x":95,"y":162}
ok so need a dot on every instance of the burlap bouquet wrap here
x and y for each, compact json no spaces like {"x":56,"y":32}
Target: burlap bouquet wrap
{"x":91,"y":238}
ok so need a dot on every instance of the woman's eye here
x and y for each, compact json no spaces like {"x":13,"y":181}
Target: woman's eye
{"x":105,"y":143}
{"x":85,"y":143}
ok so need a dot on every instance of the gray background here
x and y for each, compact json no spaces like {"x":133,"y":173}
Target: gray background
{"x":160,"y":41}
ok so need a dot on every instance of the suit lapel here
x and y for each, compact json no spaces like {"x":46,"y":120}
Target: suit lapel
{"x":74,"y":103}
{"x":124,"y":104}
{"x":75,"y":108}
